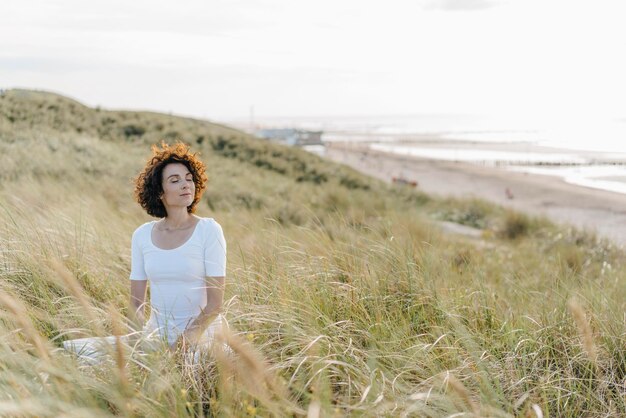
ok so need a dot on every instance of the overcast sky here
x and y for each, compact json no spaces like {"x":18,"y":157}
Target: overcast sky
{"x":217,"y":58}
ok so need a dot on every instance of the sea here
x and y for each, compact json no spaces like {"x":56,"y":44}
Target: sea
{"x":588,"y":151}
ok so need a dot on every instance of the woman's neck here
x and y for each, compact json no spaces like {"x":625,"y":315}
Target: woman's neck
{"x":177,"y":219}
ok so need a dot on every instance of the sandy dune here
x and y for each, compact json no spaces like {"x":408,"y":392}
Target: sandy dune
{"x":585,"y":208}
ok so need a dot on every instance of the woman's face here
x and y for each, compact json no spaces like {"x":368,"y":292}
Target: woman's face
{"x":178,"y":186}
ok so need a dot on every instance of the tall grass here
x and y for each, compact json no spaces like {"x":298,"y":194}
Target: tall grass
{"x":340,"y":301}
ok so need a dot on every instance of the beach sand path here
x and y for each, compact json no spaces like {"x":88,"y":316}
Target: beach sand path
{"x":591,"y":209}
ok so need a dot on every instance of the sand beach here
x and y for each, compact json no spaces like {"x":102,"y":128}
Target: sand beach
{"x":587,"y":208}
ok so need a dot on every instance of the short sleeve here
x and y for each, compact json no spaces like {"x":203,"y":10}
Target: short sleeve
{"x":215,"y":252}
{"x":137,"y":270}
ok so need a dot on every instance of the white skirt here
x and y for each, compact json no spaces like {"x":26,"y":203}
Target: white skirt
{"x":96,"y":350}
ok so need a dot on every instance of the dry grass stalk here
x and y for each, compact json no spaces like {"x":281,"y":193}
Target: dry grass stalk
{"x":315,"y":409}
{"x":459,"y":388}
{"x":20,"y":315}
{"x":584,"y":329}
{"x":71,"y":284}
{"x":120,"y":357}
{"x":534,"y":412}
{"x":252,"y":370}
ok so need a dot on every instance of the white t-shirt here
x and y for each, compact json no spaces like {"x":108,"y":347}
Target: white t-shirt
{"x":177,"y":276}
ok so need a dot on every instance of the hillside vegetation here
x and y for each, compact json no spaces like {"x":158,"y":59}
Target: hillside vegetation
{"x":344,"y":297}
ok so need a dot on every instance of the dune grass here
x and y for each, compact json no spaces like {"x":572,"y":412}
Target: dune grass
{"x":343,"y":296}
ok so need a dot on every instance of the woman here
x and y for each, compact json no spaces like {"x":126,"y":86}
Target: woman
{"x":181,"y":256}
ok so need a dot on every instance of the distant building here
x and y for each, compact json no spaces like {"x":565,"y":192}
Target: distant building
{"x":289,"y":136}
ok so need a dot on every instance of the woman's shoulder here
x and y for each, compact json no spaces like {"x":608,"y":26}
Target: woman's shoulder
{"x":143,"y":230}
{"x":208,"y":223}
{"x":209,"y":226}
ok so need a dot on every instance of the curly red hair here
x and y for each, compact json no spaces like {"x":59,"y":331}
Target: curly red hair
{"x":149,"y":187}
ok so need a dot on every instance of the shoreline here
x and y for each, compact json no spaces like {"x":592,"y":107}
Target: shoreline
{"x":603,"y":212}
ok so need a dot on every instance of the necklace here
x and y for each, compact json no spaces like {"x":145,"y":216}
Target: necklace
{"x":163,"y":228}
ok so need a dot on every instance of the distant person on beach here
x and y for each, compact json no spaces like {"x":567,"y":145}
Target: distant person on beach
{"x":181,"y":256}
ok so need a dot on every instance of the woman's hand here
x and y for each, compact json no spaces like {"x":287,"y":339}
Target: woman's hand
{"x":178,"y":345}
{"x":182,"y":343}
{"x":193,"y":333}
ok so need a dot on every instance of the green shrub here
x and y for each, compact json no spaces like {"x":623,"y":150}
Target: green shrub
{"x":472,"y":213}
{"x":515,"y":225}
{"x":133,"y":130}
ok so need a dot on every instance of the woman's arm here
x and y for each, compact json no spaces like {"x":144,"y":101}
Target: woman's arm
{"x":215,"y":298}
{"x":137,"y":302}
